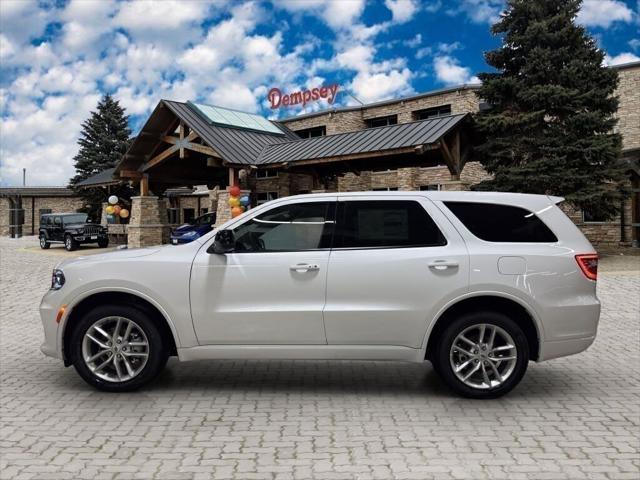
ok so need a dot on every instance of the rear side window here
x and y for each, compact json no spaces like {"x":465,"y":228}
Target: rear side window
{"x":501,"y":223}
{"x":390,"y":224}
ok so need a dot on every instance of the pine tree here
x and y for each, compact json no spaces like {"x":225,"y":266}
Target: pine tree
{"x":103,"y":140}
{"x":549,"y":129}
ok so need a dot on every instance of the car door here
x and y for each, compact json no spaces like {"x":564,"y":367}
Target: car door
{"x":271,"y":289}
{"x":57,"y":228}
{"x":396,"y":262}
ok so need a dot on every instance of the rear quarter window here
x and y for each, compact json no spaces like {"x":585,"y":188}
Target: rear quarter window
{"x":501,"y":223}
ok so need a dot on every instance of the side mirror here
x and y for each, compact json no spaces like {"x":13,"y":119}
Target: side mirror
{"x":223,"y":243}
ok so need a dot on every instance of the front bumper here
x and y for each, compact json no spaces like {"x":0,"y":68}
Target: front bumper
{"x":49,"y":307}
{"x":90,"y":238}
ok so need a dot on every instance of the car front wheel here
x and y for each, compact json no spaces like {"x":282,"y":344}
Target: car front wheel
{"x":103,"y":243}
{"x":482,"y":355}
{"x":69,"y":243}
{"x":44,"y":244}
{"x":117,"y":348}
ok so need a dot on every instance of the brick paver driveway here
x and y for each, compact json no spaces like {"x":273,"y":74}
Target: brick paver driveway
{"x":570,"y":418}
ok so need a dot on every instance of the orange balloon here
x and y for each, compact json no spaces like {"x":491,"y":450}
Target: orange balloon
{"x":124,"y":213}
{"x":235,"y":211}
{"x":235,"y":191}
{"x":117,"y":209}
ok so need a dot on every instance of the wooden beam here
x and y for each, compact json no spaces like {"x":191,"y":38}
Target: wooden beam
{"x":130,"y":174}
{"x":450,"y":160}
{"x":162,"y":156}
{"x":181,"y":130}
{"x":144,"y":185}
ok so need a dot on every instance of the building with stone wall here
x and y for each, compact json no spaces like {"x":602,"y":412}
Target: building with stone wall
{"x":33,"y":202}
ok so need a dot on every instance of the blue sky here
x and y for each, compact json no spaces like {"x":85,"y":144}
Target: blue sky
{"x":58,"y":57}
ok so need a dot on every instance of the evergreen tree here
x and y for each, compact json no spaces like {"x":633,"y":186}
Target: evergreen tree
{"x":103,"y":140}
{"x":549,"y":129}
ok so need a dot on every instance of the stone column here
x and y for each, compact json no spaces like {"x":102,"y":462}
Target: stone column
{"x":223,"y":212}
{"x":148,"y":222}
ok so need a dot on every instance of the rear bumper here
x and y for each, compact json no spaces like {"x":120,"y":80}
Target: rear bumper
{"x":563,"y":348}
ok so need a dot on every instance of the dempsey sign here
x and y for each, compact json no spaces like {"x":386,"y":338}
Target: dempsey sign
{"x":278,"y":99}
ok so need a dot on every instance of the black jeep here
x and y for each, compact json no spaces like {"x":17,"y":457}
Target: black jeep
{"x":72,"y":229}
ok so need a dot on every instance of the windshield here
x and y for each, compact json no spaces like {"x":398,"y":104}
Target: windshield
{"x":204,"y":220}
{"x":77,"y":218}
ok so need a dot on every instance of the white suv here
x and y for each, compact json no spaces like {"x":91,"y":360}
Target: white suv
{"x":476,"y":283}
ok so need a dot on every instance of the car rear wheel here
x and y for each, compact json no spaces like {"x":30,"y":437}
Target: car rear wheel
{"x":482,"y":355}
{"x":44,"y":244}
{"x":69,"y":243}
{"x":117,"y":348}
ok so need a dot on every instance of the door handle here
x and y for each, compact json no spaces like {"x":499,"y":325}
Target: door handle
{"x":443,"y":264}
{"x":304,"y":267}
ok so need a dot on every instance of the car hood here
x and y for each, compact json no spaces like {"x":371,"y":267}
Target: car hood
{"x":81,"y":225}
{"x":123,"y":254}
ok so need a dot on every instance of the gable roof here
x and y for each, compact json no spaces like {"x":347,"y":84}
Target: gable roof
{"x":103,"y":178}
{"x":392,"y":137}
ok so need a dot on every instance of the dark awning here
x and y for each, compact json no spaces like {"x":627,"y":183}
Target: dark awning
{"x":101,"y":179}
{"x":401,"y":138}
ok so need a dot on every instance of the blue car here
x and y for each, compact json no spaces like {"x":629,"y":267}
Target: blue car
{"x":194,"y":229}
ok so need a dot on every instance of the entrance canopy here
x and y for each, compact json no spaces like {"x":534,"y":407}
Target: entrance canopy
{"x":193,"y":144}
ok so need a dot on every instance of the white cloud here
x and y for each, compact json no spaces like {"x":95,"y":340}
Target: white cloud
{"x":603,"y":13}
{"x":370,"y":87}
{"x":635,"y":43}
{"x":414,"y":42}
{"x":337,"y":14}
{"x":479,"y":11}
{"x":450,"y":72}
{"x":402,"y":10}
{"x":620,"y":59}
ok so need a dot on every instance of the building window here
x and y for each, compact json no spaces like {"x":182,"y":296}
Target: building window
{"x":382,"y":121}
{"x":173,"y":215}
{"x":431,"y":187}
{"x":203,"y":211}
{"x":269,"y":173}
{"x":433,"y":112}
{"x":188,"y":214}
{"x":385,"y":189}
{"x":592,"y":217}
{"x":266,"y":197}
{"x":320,"y":131}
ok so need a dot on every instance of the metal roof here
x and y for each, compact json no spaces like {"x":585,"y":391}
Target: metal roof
{"x":393,"y":137}
{"x":105,"y":177}
{"x":235,"y":145}
{"x":37,"y":191}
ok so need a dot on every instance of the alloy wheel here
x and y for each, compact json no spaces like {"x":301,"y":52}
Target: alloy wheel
{"x":115,"y":349}
{"x":483,"y":356}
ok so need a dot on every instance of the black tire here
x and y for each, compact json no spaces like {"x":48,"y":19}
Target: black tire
{"x":69,"y":243}
{"x":442,"y":361}
{"x":103,"y":243}
{"x":44,"y":244}
{"x":157,"y":351}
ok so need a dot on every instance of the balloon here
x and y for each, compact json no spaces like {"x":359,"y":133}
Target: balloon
{"x":234,"y":201}
{"x":117,"y":209}
{"x":109,"y":210}
{"x":111,"y":219}
{"x":235,"y":191}
{"x":245,"y":200}
{"x":113,"y":199}
{"x":124,"y":213}
{"x":235,"y":211}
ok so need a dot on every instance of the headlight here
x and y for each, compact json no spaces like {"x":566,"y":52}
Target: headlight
{"x":190,"y":234}
{"x":57,"y":279}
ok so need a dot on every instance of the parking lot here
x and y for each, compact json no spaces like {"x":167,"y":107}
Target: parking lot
{"x":571,"y":418}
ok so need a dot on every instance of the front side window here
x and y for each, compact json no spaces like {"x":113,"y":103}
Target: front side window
{"x":501,"y":223}
{"x":390,"y":224}
{"x":294,"y":227}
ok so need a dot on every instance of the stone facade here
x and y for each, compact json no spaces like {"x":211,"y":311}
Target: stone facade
{"x":461,"y":100}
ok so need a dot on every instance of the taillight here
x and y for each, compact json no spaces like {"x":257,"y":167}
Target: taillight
{"x":589,"y":265}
